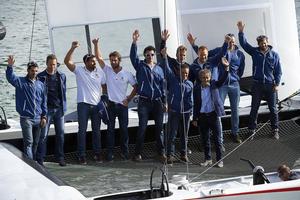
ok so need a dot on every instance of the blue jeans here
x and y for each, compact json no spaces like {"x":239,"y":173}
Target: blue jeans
{"x":56,"y":116}
{"x":211,"y":122}
{"x":31,"y":131}
{"x":258,"y":91}
{"x":178,"y":122}
{"x":120,"y":111}
{"x":233,"y":91}
{"x":145,"y":107}
{"x":86,"y":111}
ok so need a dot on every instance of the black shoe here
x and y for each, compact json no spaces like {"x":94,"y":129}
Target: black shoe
{"x":184,"y":158}
{"x":98,"y":158}
{"x":124,"y":156}
{"x":251,"y":133}
{"x":162,"y":158}
{"x":170,"y":159}
{"x":82,"y":161}
{"x":41,"y":163}
{"x":236,"y":139}
{"x":137,"y":158}
{"x":62,"y":163}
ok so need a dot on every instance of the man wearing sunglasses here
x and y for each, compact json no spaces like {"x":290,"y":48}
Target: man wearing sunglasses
{"x":89,"y":80}
{"x":266,"y":69}
{"x":150,"y":78}
{"x":31,"y":104}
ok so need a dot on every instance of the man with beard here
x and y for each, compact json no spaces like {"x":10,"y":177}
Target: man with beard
{"x":117,"y":80}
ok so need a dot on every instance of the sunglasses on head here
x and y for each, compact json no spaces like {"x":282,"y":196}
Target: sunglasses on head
{"x":87,"y":57}
{"x":230,"y":35}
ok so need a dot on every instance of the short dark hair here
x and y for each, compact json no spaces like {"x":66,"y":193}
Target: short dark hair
{"x":201,"y":48}
{"x":31,"y":64}
{"x":181,"y":48}
{"x":261,"y":38}
{"x":51,"y":57}
{"x":87,"y":57}
{"x":149,"y":48}
{"x":115,"y":54}
{"x":185,"y":66}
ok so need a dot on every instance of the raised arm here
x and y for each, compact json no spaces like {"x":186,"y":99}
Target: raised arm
{"x":133,"y":50}
{"x":222,"y":51}
{"x":165,"y":63}
{"x":10,"y":75}
{"x":224,"y":76}
{"x":98,"y":52}
{"x":242,"y":39}
{"x":192,"y":40}
{"x":68,"y":58}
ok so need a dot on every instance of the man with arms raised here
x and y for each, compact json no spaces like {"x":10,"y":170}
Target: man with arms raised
{"x":89,"y":79}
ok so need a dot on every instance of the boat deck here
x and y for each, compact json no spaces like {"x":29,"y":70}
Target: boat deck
{"x":116,"y":176}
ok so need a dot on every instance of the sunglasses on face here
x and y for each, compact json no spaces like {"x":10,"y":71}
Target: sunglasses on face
{"x":148,"y":55}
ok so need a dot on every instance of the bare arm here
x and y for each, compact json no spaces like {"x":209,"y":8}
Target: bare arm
{"x":68,"y":58}
{"x":98,"y":52}
{"x":130,"y":96}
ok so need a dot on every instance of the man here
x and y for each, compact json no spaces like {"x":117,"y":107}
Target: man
{"x":31,"y":104}
{"x":180,"y":106}
{"x":174,"y":63}
{"x":89,"y":79}
{"x":231,"y":86}
{"x":55,"y":85}
{"x":285,"y":173}
{"x":208,"y":108}
{"x":150,"y":77}
{"x":266,"y":69}
{"x":117,"y":83}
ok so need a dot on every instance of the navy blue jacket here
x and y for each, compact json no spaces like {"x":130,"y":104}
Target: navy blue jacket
{"x":214,"y":89}
{"x":266,"y":68}
{"x":180,"y":95}
{"x":31,"y":99}
{"x":211,"y":62}
{"x":150,"y":82}
{"x":62,"y":78}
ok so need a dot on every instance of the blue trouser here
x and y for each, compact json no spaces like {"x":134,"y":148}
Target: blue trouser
{"x":120,"y":111}
{"x":56,"y":116}
{"x":211,"y":122}
{"x":233,"y":91}
{"x":145,"y":107}
{"x":258,"y":91}
{"x":178,"y":122}
{"x":86,"y":111}
{"x":31,"y":130}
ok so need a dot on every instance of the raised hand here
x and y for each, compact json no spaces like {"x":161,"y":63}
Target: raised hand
{"x":225,"y":63}
{"x":165,"y":35}
{"x":240,"y":26}
{"x":11,"y":60}
{"x":75,"y":44}
{"x":228,"y":38}
{"x":191,"y":39}
{"x":135,"y":36}
{"x":95,"y":41}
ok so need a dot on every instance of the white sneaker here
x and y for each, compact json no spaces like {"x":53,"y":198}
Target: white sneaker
{"x":220,"y":164}
{"x":206,"y":163}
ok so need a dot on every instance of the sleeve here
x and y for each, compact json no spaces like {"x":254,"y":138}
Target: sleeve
{"x":242,"y":64}
{"x":132,"y":81}
{"x":244,"y":44}
{"x":44,"y":101}
{"x":214,"y":60}
{"x":134,"y":57}
{"x":11,"y":77}
{"x":277,"y":71}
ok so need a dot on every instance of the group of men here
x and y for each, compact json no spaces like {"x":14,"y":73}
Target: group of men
{"x":175,"y":86}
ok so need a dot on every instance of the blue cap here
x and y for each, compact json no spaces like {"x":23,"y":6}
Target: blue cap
{"x":102,"y":110}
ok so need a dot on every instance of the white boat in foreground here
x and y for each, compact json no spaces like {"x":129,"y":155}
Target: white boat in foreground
{"x":23,"y":179}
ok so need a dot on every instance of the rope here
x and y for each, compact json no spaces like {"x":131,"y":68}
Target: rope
{"x":33,"y":22}
{"x":233,"y":150}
